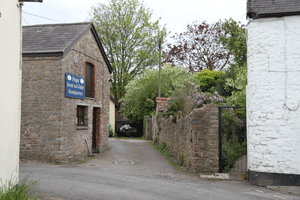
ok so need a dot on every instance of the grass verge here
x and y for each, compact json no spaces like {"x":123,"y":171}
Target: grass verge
{"x":165,"y":151}
{"x":21,"y":191}
{"x":83,"y":161}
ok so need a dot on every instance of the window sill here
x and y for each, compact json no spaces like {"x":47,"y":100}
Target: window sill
{"x":91,"y":98}
{"x":82,"y":127}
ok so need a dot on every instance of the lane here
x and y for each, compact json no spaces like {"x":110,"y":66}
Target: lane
{"x":151,"y":178}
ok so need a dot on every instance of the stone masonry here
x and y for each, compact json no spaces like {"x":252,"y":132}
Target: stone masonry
{"x":48,"y":114}
{"x":193,"y":139}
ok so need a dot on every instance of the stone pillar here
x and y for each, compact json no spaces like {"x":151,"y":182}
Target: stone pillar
{"x":205,"y":139}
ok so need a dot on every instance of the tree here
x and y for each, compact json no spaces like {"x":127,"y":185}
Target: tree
{"x":141,"y":92}
{"x":129,"y":38}
{"x":198,"y":48}
{"x":234,"y":40}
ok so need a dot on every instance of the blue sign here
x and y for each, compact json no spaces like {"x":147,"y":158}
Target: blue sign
{"x":75,"y":86}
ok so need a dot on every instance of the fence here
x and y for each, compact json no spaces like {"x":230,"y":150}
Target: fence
{"x":149,"y":126}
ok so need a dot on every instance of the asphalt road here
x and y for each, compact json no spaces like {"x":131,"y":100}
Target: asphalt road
{"x":134,"y":170}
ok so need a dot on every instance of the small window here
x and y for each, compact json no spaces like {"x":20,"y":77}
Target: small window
{"x":89,"y":80}
{"x":82,"y":119}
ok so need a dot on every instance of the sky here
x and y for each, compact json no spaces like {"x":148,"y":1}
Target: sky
{"x":175,"y":14}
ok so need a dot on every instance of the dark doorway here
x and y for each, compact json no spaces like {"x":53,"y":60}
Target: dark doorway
{"x":96,"y":130}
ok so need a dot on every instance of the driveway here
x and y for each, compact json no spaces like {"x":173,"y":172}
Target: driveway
{"x":134,"y":170}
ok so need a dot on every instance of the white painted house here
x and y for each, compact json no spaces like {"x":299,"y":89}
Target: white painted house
{"x":10,"y":87}
{"x":273,"y":92}
{"x":113,"y":107}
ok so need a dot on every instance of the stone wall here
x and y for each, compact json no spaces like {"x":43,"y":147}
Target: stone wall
{"x":193,"y":140}
{"x":46,"y":110}
{"x":273,"y":95}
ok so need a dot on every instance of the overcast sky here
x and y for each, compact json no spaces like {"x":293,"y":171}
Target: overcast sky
{"x":176,"y":14}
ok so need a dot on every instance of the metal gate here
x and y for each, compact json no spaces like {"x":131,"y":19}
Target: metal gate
{"x":232,"y":135}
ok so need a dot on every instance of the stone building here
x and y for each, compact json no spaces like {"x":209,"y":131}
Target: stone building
{"x":65,"y":93}
{"x":273,"y":92}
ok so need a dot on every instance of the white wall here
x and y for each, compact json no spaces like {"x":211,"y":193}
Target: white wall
{"x":112,"y":115}
{"x":10,"y":88}
{"x":273,"y":95}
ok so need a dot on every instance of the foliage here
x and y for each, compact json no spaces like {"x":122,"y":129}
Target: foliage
{"x":181,"y":160}
{"x":199,"y":48}
{"x":236,"y":76}
{"x":234,"y":144}
{"x":20,"y":191}
{"x":234,"y":40}
{"x":220,"y":84}
{"x":155,"y":141}
{"x":159,"y":117}
{"x":187,"y":98}
{"x":231,"y":153}
{"x":233,"y":125}
{"x":164,"y":150}
{"x":111,"y":132}
{"x":208,"y":79}
{"x":238,"y":96}
{"x":142,"y":91}
{"x":129,"y":37}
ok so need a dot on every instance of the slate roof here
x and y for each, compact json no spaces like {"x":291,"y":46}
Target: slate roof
{"x":56,"y":39}
{"x":272,"y":8}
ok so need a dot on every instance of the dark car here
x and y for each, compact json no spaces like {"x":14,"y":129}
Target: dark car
{"x":127,"y":130}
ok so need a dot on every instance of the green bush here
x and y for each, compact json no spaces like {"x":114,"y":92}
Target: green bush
{"x":208,"y":79}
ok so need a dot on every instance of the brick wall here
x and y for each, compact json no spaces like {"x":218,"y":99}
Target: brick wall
{"x":43,"y":91}
{"x":161,"y":104}
{"x":193,"y":139}
{"x":41,"y":107}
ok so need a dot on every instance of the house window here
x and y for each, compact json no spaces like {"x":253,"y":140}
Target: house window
{"x":89,"y":80}
{"x":82,"y":113}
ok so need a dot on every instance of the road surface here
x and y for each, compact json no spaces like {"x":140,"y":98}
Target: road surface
{"x":134,"y":170}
